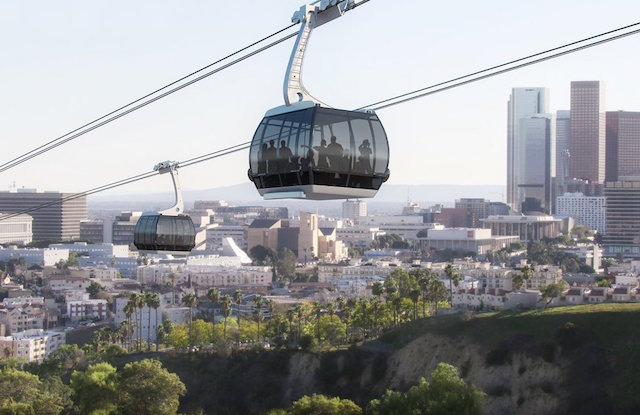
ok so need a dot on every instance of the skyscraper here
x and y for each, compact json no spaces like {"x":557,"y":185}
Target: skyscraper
{"x":622,"y":235}
{"x":587,"y":131}
{"x":523,"y":103}
{"x":538,"y":164}
{"x":623,"y":144}
{"x":563,"y":145}
{"x":59,"y":220}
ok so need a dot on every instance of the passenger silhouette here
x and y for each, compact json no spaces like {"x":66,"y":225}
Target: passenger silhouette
{"x":364,"y":161}
{"x":270,"y":156}
{"x":284,"y":156}
{"x":323,"y":160}
{"x":334,"y":153}
{"x":262,"y":161}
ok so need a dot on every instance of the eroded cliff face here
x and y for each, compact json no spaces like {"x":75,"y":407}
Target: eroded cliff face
{"x":514,"y":381}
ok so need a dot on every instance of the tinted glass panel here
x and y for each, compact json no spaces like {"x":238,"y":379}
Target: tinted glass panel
{"x":363,"y":137}
{"x":381,"y":153}
{"x":280,"y":141}
{"x":332,"y":126}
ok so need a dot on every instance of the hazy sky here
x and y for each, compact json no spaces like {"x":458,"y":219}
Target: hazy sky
{"x":65,"y":63}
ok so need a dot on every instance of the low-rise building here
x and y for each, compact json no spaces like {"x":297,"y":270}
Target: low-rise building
{"x":527,"y":228}
{"x":32,"y":345}
{"x":87,"y":309}
{"x":16,"y":229}
{"x":478,"y":241}
{"x":61,"y":283}
{"x":22,"y":313}
{"x":46,"y":257}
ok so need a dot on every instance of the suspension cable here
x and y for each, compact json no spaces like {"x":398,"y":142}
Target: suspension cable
{"x":376,"y":105}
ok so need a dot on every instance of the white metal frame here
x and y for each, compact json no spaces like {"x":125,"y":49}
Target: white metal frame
{"x":310,"y":16}
{"x":172,"y":167}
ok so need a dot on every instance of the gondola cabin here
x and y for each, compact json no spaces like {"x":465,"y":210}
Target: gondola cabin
{"x":305,"y":150}
{"x":157,"y":233}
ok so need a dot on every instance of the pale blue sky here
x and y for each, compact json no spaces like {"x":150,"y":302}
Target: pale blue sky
{"x":66,"y":62}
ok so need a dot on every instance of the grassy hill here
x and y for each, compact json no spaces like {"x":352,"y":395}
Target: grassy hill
{"x":580,"y":359}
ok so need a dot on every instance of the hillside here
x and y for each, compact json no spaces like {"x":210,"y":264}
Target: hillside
{"x":580,"y":359}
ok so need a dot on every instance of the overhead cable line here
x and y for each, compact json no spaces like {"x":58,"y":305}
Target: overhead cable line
{"x":405,"y":98}
{"x":115,"y":114}
{"x":146,"y":100}
{"x":409,"y":96}
{"x":196,"y":160}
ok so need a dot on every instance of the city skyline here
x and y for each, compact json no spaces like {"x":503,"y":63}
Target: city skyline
{"x":62,"y":80}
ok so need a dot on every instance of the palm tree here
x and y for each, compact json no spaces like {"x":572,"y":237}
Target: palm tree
{"x":258,"y":303}
{"x":237,"y":298}
{"x":172,"y":283}
{"x":454,"y":278}
{"x":214,"y":296}
{"x":140,"y":303}
{"x":270,"y":306}
{"x":129,"y":309}
{"x":414,"y":295}
{"x":153,"y":301}
{"x":375,"y":304}
{"x":299,"y":312}
{"x":290,"y":316}
{"x":423,"y":281}
{"x":225,"y":305}
{"x":317,"y":311}
{"x":190,"y":301}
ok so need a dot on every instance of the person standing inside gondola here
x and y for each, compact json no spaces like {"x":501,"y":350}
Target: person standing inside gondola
{"x":323,"y":160}
{"x":270,"y":156}
{"x":284,"y":156}
{"x":364,"y":161}
{"x":334,"y":153}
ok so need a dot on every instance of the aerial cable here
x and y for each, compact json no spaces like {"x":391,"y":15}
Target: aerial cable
{"x":71,"y":135}
{"x":196,"y":160}
{"x":376,"y":105}
{"x":116,"y":114}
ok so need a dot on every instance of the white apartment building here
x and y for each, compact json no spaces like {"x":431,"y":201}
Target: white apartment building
{"x":358,"y":236}
{"x":17,"y":229}
{"x":61,"y":283}
{"x":149,"y":323}
{"x":588,"y":210}
{"x":216,"y":233}
{"x":334,"y":273}
{"x":22,"y":317}
{"x":33,"y":345}
{"x":205,"y":275}
{"x":46,"y":257}
{"x":177,"y":315}
{"x":107,"y":250}
{"x":87,"y":309}
{"x":479,"y":241}
{"x":406,"y":226}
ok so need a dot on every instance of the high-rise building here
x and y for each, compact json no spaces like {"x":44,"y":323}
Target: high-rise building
{"x":563,"y":144}
{"x":523,"y":103}
{"x":123,"y":227}
{"x":622,"y":235}
{"x":538,"y":164}
{"x":92,"y":231}
{"x":588,"y":210}
{"x":354,"y":209}
{"x":623,"y":144}
{"x":587,"y":131}
{"x":477,"y":209}
{"x":57,"y":217}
